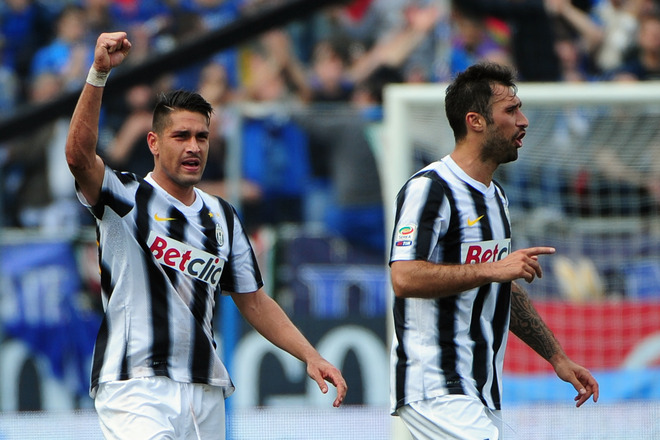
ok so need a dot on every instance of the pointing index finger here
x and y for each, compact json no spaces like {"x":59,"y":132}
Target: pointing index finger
{"x":540,"y":250}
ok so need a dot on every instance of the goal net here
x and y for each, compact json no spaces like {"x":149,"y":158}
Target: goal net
{"x":587,"y":181}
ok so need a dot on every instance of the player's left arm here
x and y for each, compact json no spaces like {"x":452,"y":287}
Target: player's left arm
{"x":268,"y":318}
{"x":527,"y":324}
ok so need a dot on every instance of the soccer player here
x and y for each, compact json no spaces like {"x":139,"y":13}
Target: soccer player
{"x":166,"y":249}
{"x":454,"y":273}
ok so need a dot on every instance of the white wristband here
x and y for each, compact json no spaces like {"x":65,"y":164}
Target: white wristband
{"x":96,"y":78}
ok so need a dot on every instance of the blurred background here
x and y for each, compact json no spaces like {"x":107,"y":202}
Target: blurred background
{"x":322,"y":109}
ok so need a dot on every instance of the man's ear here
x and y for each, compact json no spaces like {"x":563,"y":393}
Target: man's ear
{"x":152,"y":140}
{"x":475,"y":122}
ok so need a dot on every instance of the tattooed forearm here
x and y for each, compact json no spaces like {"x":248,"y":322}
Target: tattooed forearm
{"x":527,"y":324}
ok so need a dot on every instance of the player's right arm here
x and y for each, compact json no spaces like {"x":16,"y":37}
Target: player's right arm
{"x":422,"y":279}
{"x":85,"y":165}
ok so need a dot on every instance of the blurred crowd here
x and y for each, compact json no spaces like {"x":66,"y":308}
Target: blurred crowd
{"x":301,"y":159}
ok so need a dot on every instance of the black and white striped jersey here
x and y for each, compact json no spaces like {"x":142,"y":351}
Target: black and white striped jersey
{"x":162,"y":266}
{"x":455,"y":344}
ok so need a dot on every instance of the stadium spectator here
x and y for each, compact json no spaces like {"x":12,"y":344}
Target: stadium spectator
{"x":31,"y":170}
{"x":643,"y":64}
{"x":215,"y":14}
{"x":379,"y":19}
{"x":354,"y":209}
{"x":607,"y":31}
{"x":275,"y":47}
{"x":98,"y":15}
{"x":472,"y":42}
{"x":68,"y":54}
{"x":274,"y":156}
{"x":224,"y":129}
{"x":532,"y":39}
{"x":336,"y":67}
{"x":455,"y":300}
{"x":25,"y":26}
{"x":329,"y":79}
{"x":573,"y":61}
{"x":401,"y":48}
{"x":330,"y":84}
{"x":128,"y":149}
{"x":142,"y":378}
{"x":384,"y":22}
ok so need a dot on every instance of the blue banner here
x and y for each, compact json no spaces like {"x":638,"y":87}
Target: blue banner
{"x":40,"y":305}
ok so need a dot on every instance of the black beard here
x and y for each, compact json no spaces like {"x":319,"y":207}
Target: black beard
{"x":498,"y":149}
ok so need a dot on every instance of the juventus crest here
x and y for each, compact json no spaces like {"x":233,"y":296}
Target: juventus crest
{"x":219,"y":236}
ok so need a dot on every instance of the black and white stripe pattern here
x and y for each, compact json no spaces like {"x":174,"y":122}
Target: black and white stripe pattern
{"x":455,"y":344}
{"x":162,"y":266}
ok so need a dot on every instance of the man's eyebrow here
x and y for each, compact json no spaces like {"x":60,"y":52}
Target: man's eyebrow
{"x":181,"y":131}
{"x":517,"y":103}
{"x":188,"y":131}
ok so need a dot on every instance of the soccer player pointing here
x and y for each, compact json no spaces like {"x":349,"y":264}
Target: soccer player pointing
{"x":454,"y":274}
{"x":166,"y":250}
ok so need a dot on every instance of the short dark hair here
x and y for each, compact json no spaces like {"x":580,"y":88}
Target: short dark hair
{"x":472,"y":90}
{"x":178,"y":100}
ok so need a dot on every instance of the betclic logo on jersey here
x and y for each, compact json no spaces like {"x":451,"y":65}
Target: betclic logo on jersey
{"x":485,"y":251}
{"x":186,"y":259}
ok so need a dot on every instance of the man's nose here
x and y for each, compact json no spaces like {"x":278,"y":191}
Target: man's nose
{"x":194,"y":145}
